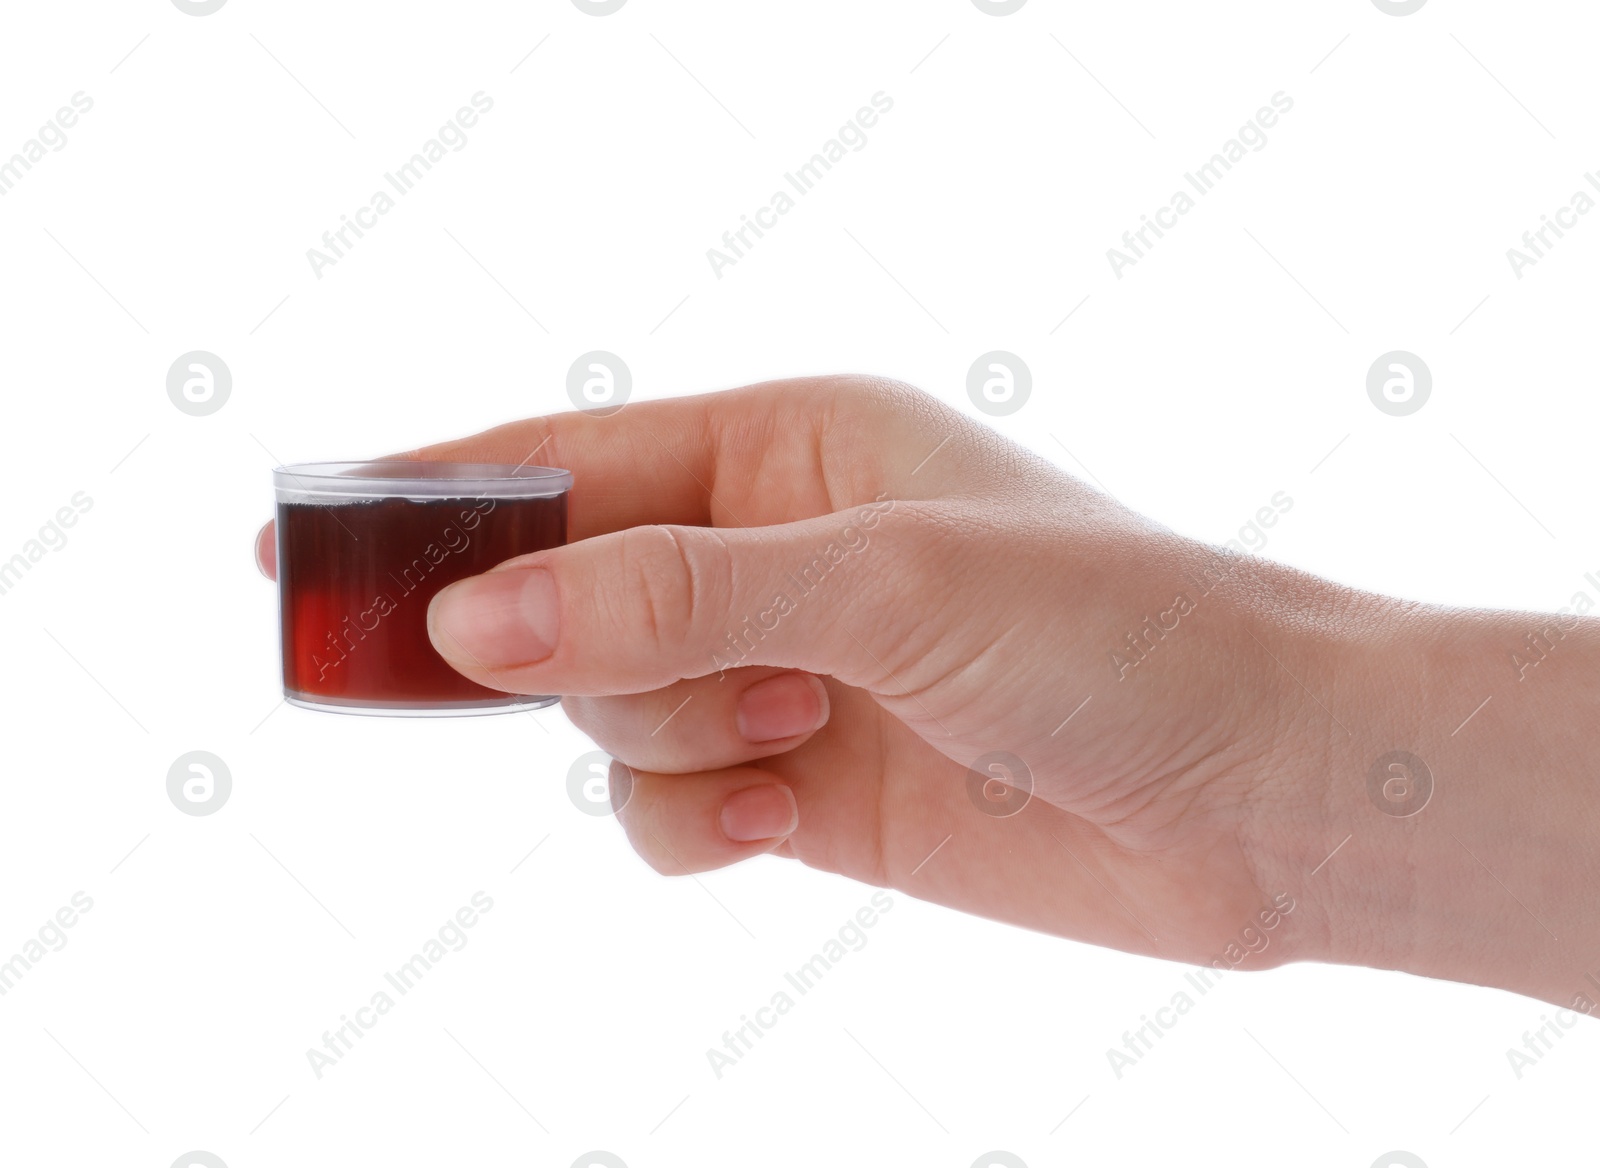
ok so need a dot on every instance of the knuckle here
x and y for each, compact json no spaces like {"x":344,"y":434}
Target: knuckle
{"x":675,"y":576}
{"x":875,"y":396}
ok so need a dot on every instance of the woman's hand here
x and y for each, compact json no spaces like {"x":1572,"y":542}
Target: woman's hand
{"x":833,"y":620}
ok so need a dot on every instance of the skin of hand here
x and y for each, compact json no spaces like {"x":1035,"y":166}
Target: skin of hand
{"x":833,"y":620}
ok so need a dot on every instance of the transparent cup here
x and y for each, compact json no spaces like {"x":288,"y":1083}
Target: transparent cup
{"x":364,"y":546}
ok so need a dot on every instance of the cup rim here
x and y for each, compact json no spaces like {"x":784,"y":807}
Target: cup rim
{"x":417,"y":479}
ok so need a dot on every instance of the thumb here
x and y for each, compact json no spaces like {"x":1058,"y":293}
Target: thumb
{"x":639,"y":609}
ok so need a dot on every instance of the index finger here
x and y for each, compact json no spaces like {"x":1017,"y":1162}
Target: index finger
{"x":774,"y":452}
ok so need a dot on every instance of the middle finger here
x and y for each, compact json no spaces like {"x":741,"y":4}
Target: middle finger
{"x":705,"y":723}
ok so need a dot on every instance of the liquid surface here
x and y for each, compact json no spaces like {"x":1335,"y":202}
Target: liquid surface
{"x":355,"y":581}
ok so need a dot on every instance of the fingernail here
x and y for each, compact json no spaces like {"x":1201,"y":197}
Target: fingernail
{"x":497,"y":619}
{"x":266,"y":553}
{"x":760,"y":813}
{"x":781,"y":707}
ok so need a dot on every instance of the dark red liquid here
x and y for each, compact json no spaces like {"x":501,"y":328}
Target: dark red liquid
{"x":355,"y":580}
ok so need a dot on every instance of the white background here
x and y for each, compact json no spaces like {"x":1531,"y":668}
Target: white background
{"x":177,"y":217}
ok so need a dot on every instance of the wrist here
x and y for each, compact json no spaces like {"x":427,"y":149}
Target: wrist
{"x":1449,"y":827}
